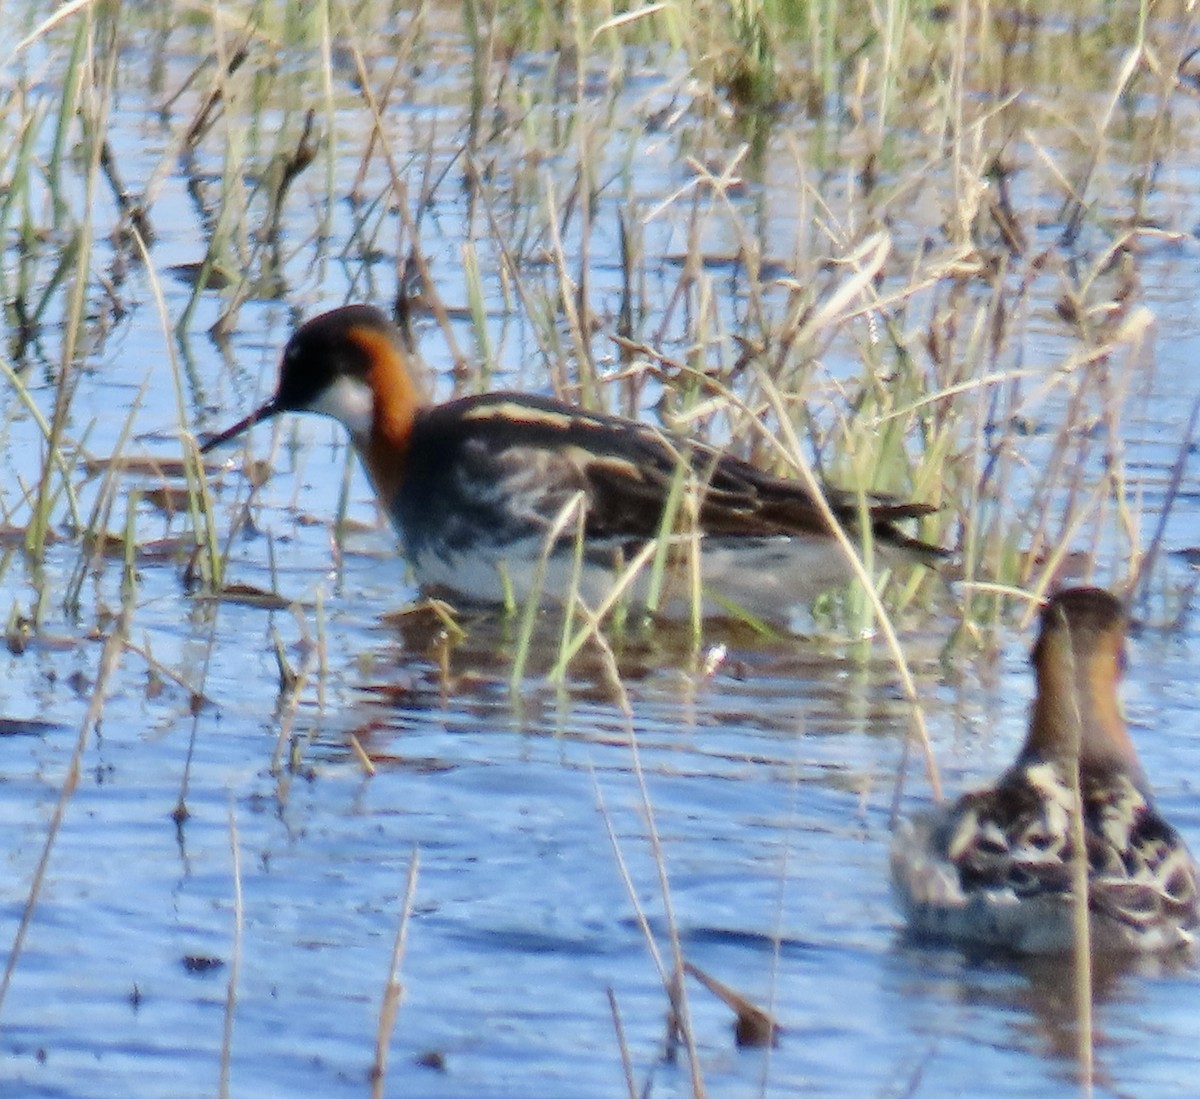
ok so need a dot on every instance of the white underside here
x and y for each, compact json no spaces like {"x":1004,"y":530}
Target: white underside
{"x":767,"y":577}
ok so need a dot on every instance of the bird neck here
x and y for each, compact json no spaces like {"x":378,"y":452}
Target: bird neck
{"x":397,"y":397}
{"x":397,"y":400}
{"x":1077,"y":697}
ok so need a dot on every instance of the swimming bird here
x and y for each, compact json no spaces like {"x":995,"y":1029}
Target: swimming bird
{"x":995,"y":868}
{"x":474,"y":486}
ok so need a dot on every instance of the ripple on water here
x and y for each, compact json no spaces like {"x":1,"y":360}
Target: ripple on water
{"x":769,"y":779}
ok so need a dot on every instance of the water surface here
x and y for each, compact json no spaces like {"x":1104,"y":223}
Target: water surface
{"x":769,"y":777}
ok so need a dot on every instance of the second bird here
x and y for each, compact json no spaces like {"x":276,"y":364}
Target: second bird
{"x":474,"y":486}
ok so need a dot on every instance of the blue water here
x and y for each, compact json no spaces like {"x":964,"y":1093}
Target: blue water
{"x":769,"y":781}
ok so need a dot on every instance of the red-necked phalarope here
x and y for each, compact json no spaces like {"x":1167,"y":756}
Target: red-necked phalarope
{"x":473,"y":486}
{"x":995,"y":868}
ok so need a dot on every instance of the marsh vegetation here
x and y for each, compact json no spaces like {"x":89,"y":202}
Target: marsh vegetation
{"x":941,"y":251}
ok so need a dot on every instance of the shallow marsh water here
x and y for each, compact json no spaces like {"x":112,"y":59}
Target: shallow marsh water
{"x":770,"y":776}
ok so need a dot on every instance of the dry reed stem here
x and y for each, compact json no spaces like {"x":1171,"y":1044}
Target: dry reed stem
{"x":360,"y":754}
{"x":196,"y":694}
{"x":235,"y":959}
{"x":21,"y":391}
{"x":63,"y":13}
{"x":322,"y":645}
{"x":639,"y":912}
{"x":571,"y":511}
{"x":622,"y":582}
{"x":754,"y":1026}
{"x":393,"y":990}
{"x":971,"y":132}
{"x":674,"y":987}
{"x":1139,"y":581}
{"x":670,"y":980}
{"x":1081,"y":954}
{"x":622,"y":1046}
{"x":802,"y":466}
{"x":180,"y":813}
{"x":291,"y":708}
{"x":401,"y":191}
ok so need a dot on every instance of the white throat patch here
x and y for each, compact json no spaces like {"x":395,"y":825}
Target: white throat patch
{"x":350,"y":402}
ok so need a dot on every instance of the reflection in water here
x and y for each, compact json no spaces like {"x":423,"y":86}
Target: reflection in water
{"x":1033,"y":998}
{"x":1050,"y":998}
{"x":685,"y":701}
